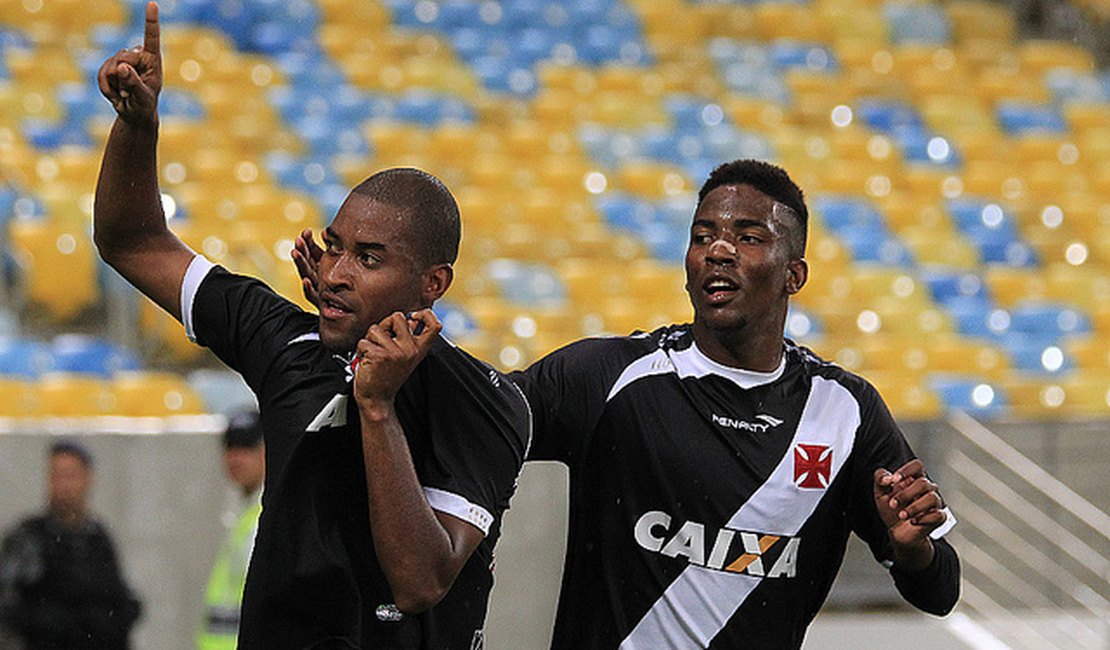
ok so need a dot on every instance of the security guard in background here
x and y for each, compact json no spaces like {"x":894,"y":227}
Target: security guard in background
{"x":245,"y":464}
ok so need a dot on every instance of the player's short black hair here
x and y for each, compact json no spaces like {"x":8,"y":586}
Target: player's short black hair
{"x":73,"y":448}
{"x":435,"y":227}
{"x":243,"y":430}
{"x":770,"y":179}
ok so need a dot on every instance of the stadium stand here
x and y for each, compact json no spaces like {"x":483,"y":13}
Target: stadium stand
{"x":957,"y":170}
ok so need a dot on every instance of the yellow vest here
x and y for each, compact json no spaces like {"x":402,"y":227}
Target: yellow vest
{"x":220,"y":627}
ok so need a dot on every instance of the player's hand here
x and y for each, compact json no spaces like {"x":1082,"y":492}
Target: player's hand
{"x":132,"y":79}
{"x":306,"y":255}
{"x":910,"y":506}
{"x":388,"y":354}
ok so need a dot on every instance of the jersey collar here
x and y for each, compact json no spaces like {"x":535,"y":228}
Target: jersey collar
{"x":693,"y":362}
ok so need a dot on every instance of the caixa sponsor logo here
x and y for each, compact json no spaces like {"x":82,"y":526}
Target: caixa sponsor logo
{"x":721,"y":549}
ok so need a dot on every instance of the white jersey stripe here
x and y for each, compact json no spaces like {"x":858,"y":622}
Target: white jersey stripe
{"x":700,"y":602}
{"x":459,"y":506}
{"x":691,"y":362}
{"x":197,"y":271}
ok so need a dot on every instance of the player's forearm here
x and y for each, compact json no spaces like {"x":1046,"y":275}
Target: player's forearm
{"x":127,"y":212}
{"x":415,"y":551}
{"x":913,"y":557}
{"x":934,"y":588}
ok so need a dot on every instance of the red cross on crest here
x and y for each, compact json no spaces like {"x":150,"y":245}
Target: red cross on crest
{"x":812,"y":466}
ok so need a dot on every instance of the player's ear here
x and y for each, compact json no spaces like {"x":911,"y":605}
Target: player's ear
{"x":437,"y":279}
{"x":797,"y":272}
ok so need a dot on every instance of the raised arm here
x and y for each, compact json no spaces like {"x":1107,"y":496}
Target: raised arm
{"x":129,"y":226}
{"x":420,"y":550}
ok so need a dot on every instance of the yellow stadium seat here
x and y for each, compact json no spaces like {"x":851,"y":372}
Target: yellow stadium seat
{"x":1044,"y":55}
{"x":74,"y":395}
{"x":153,"y":394}
{"x":961,"y":116}
{"x":728,"y":20}
{"x":945,"y":249}
{"x":166,"y":334}
{"x":59,"y":265}
{"x":1081,"y":285}
{"x":558,"y":108}
{"x":1094,"y":145}
{"x":797,"y":22}
{"x":853,"y":21}
{"x":18,"y":398}
{"x":1090,"y":352}
{"x":1087,"y":393}
{"x":976,"y":20}
{"x":992,"y":178}
{"x":996,"y":84}
{"x":1034,"y":397}
{"x":41,"y":65}
{"x":650,"y":179}
{"x":1082,"y":116}
{"x":907,"y":396}
{"x":390,"y":138}
{"x":1010,"y":285}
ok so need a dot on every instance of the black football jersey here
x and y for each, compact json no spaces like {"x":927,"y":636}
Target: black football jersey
{"x":710,"y":506}
{"x":314,"y":579}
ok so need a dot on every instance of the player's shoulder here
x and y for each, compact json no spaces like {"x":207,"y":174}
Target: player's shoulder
{"x":814,"y":365}
{"x":447,"y":362}
{"x":611,"y":348}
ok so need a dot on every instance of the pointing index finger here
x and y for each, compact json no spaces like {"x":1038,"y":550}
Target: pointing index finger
{"x":151,"y":37}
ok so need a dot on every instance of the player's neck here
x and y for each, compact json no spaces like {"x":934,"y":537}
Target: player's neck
{"x":736,"y":348}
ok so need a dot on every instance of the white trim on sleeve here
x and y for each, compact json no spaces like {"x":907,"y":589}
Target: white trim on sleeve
{"x":458,"y":506}
{"x":949,"y":524}
{"x":197,"y":271}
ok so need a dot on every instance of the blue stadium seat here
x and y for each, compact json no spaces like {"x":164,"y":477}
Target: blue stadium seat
{"x":91,"y":355}
{"x":917,"y":23}
{"x":49,"y":135}
{"x":535,"y":285}
{"x":1019,"y":118}
{"x":1048,"y":320}
{"x":802,"y":324}
{"x":846,"y":212}
{"x":976,"y":317}
{"x":24,"y":358}
{"x":805,"y":56}
{"x":923,"y":147}
{"x":973,"y":395}
{"x":946,"y":287}
{"x":1069,"y":85}
{"x":1036,"y":353}
{"x":82,"y":101}
{"x":888,"y":115}
{"x":876,"y":246}
{"x":457,"y":322}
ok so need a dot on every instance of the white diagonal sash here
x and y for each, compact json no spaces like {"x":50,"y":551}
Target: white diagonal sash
{"x":698,"y":604}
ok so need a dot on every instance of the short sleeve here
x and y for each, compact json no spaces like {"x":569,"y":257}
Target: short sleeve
{"x":567,"y":390}
{"x":473,"y":428}
{"x":243,"y":321}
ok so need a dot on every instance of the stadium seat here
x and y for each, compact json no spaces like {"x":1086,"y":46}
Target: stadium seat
{"x":18,"y":397}
{"x":24,"y":359}
{"x":49,"y":252}
{"x":78,"y":353}
{"x":907,"y":396}
{"x":75,"y":395}
{"x":154,"y":394}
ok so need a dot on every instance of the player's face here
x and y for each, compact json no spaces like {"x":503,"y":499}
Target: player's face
{"x":739,"y":268}
{"x":367,"y":271}
{"x":70,"y":479}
